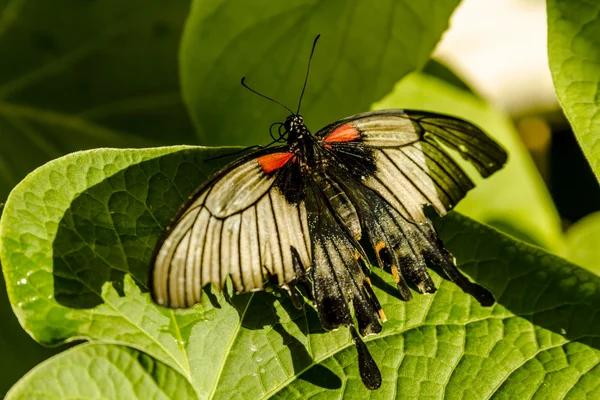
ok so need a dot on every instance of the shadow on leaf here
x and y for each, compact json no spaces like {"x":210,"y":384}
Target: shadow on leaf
{"x":111,"y":228}
{"x":262,"y":314}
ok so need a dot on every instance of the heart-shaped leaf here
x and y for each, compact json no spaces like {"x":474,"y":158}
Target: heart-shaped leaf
{"x":74,"y":232}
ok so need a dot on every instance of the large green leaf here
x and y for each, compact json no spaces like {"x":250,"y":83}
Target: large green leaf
{"x":365,"y":48}
{"x":83,"y":74}
{"x":101,"y":371}
{"x":574,"y":55}
{"x":74,"y":230}
{"x":516,"y":199}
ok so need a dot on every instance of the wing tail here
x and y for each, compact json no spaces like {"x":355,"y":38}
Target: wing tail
{"x":337,"y":274}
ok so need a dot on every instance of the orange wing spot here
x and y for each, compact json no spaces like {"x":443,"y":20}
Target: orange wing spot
{"x":395,"y":273}
{"x":344,"y":133}
{"x":382,"y":315}
{"x":272,"y":162}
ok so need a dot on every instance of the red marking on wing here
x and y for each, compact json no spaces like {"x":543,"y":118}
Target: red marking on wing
{"x":272,"y":162}
{"x":344,"y":133}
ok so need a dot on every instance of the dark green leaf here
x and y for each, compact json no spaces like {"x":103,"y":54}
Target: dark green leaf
{"x":84,"y":74}
{"x":365,"y":48}
{"x":77,"y":75}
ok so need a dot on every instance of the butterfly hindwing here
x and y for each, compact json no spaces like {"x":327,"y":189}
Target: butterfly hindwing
{"x":238,"y":224}
{"x":405,"y":248}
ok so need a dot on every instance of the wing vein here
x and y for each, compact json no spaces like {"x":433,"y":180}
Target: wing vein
{"x":408,"y":179}
{"x":278,"y":233}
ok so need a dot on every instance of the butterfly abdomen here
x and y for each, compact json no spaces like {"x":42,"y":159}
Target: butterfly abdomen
{"x":340,"y":203}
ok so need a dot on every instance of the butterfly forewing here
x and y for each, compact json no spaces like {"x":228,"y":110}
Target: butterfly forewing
{"x":238,"y":225}
{"x":410,"y":168}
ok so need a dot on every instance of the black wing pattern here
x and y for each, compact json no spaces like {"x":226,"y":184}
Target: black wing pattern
{"x":391,"y":164}
{"x":339,"y":271}
{"x":412,"y":167}
{"x":238,"y":224}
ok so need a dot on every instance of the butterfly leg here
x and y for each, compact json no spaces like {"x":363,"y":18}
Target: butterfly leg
{"x":300,"y":282}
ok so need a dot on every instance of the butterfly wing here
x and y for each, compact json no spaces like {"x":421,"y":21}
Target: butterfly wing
{"x":407,"y":164}
{"x":393,"y":163}
{"x":237,"y":224}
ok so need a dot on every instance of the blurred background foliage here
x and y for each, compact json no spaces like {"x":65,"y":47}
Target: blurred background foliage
{"x":76,"y":75}
{"x":80,"y":74}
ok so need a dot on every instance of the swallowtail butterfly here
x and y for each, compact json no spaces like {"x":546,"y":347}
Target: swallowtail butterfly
{"x":295,"y":214}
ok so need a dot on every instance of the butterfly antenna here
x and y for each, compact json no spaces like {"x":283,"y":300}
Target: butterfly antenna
{"x":245,"y":149}
{"x":307,"y":72}
{"x":235,"y":152}
{"x":262,"y":95}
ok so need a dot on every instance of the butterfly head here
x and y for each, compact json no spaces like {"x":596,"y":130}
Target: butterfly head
{"x":295,"y":123}
{"x":294,"y":127}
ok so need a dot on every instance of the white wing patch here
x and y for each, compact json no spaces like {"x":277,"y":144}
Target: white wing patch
{"x":242,"y":227}
{"x":415,"y":175}
{"x":375,"y":131}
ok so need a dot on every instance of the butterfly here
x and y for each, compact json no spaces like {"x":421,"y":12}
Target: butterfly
{"x":295,"y":214}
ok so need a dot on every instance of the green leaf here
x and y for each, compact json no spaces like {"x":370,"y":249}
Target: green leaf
{"x":100,"y":371}
{"x":85,"y":74}
{"x":438,"y":69}
{"x":574,"y":56}
{"x":515,"y":199}
{"x":75,"y":241}
{"x":365,"y":48}
{"x":582,"y":242}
